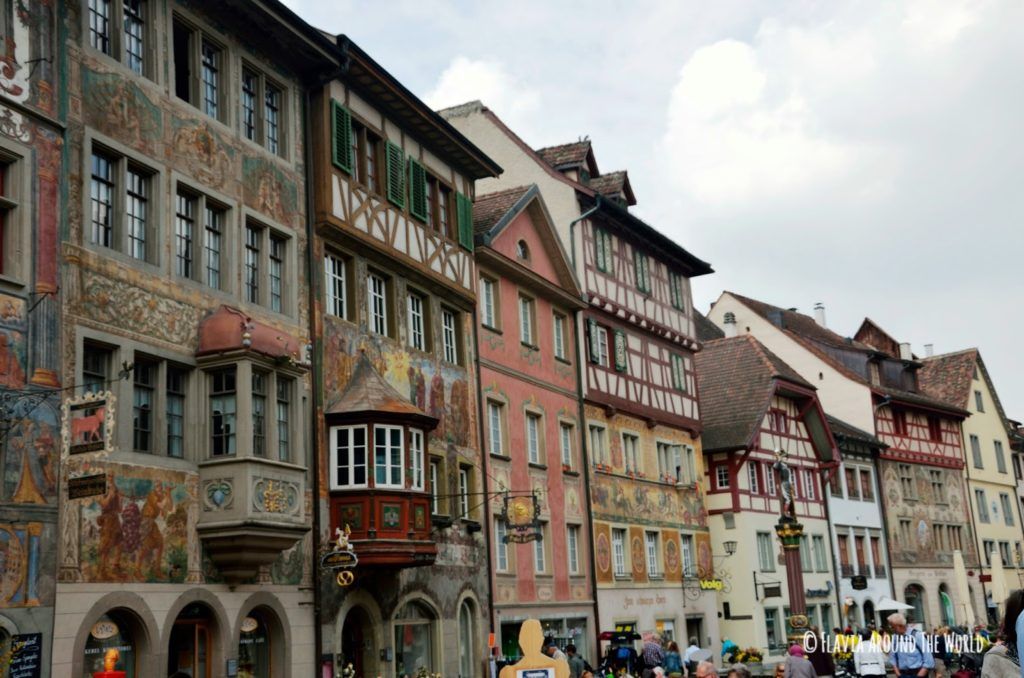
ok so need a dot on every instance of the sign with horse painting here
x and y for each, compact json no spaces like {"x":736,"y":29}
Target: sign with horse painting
{"x":89,"y":422}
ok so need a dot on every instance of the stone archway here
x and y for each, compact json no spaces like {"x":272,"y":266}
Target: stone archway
{"x":358,"y":642}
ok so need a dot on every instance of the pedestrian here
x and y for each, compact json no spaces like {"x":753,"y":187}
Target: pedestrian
{"x":739,"y":671}
{"x":552,"y":650}
{"x":576,"y":664}
{"x":797,"y":665}
{"x":694,"y":648}
{"x":673,"y":661}
{"x":868,"y":658}
{"x":1003,"y":659}
{"x":706,"y":669}
{"x":909,"y":656}
{"x":653,"y":655}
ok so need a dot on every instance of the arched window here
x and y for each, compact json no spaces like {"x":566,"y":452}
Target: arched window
{"x":191,"y":647}
{"x":466,"y":639}
{"x":913,"y":595}
{"x":255,"y":646}
{"x":414,"y":639}
{"x":523,"y":250}
{"x":112,"y":638}
{"x":946,"y":606}
{"x":869,"y":612}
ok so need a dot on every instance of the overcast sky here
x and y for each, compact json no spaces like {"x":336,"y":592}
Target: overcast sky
{"x":865,"y":155}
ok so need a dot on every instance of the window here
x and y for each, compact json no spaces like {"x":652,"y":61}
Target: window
{"x":619,"y":551}
{"x":1000,"y":456}
{"x":858,"y":549}
{"x":938,"y":486}
{"x":643,"y":271}
{"x":465,"y":490}
{"x":670,"y":462}
{"x":259,"y":413}
{"x":198,"y":70}
{"x":523,"y":250}
{"x":438,"y":207}
{"x":631,"y":452}
{"x":677,"y":290}
{"x":366,"y":158}
{"x":450,"y":335}
{"x":906,"y":535}
{"x":435,"y":487}
{"x":416,"y":312}
{"x":598,"y":344}
{"x":691,"y":465}
{"x":653,"y":557}
{"x":722,"y":476}
{"x":526,"y":316}
{"x":388,"y":456}
{"x":495,"y":427}
{"x":852,"y":486}
{"x":262,"y":123}
{"x":223,"y":407}
{"x":603,"y":250}
{"x":1004,"y":552}
{"x":558,"y":323}
{"x":982,"y":504}
{"x":100,"y":25}
{"x":572,"y":541}
{"x":1004,"y":502}
{"x":565,"y":435}
{"x":11,"y":242}
{"x":184,"y":235}
{"x":805,"y":554}
{"x":976,"y":451}
{"x":820,"y":561}
{"x":979,"y":401}
{"x":488,"y":303}
{"x":810,"y":485}
{"x":334,"y":272}
{"x":377,"y":296}
{"x":906,"y":473}
{"x":176,"y":381}
{"x":771,"y":625}
{"x":539,"y":559}
{"x":276,"y":272}
{"x":119,"y":197}
{"x":213,"y":243}
{"x":778,"y":421}
{"x":688,"y":558}
{"x":284,"y":418}
{"x":533,"y":443}
{"x":835,"y":484}
{"x":769,"y":480}
{"x":598,"y":444}
{"x":128,"y":47}
{"x":144,"y":374}
{"x":876,"y":556}
{"x":867,"y":486}
{"x":678,"y":373}
{"x":986,"y":546}
{"x":753,"y":477}
{"x":252,"y":264}
{"x":95,"y":368}
{"x":500,"y":546}
{"x":765,"y":552}
{"x":935,"y":429}
{"x":899,"y":422}
{"x":842,"y":544}
{"x":348,"y":456}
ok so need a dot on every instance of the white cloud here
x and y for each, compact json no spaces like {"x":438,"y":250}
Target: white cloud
{"x":489,"y":81}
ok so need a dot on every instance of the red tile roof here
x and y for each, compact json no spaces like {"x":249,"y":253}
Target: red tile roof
{"x":706,"y":330}
{"x":490,"y":208}
{"x":612,"y":184}
{"x":948,"y":377}
{"x":566,"y":155}
{"x":368,"y":392}
{"x":736,"y":379}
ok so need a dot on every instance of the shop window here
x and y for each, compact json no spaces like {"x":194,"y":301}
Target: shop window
{"x":115,"y":630}
{"x":415,"y":627}
{"x":255,"y":646}
{"x":190,"y":650}
{"x":466,"y":639}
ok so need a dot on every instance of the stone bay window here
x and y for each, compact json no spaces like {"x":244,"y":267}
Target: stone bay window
{"x":377,"y":442}
{"x":251,"y":472}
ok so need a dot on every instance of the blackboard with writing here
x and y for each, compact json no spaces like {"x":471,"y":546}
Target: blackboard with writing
{"x":26,"y":656}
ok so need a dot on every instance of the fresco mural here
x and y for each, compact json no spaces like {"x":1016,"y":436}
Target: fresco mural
{"x":207,"y":156}
{"x":648,"y":503}
{"x":13,"y":346}
{"x":119,"y":108}
{"x":20,"y":563}
{"x":138,"y":530}
{"x":267,"y":189}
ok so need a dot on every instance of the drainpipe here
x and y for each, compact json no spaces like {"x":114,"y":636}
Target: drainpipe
{"x":832,"y":549}
{"x":885,"y":522}
{"x":572,"y":237}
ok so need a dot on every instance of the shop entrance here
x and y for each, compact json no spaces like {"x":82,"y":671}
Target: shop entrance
{"x":694,"y":629}
{"x":357,"y":641}
{"x":189,"y":652}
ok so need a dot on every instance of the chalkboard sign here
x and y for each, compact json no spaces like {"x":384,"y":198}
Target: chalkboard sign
{"x":26,"y":656}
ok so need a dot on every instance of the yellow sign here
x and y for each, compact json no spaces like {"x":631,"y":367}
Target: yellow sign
{"x":710,"y":584}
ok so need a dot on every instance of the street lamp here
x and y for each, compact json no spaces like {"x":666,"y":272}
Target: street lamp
{"x":730,"y":548}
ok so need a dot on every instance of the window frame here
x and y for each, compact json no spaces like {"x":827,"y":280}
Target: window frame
{"x":331,"y":299}
{"x":620,"y":554}
{"x":198,"y":36}
{"x":535,"y":452}
{"x":121,"y":162}
{"x":117,"y":37}
{"x":334,"y":449}
{"x":527,"y":321}
{"x":559,"y":327}
{"x":384,"y":295}
{"x":451,"y":335}
{"x":722,"y":480}
{"x":204,"y":205}
{"x":489,"y":283}
{"x":389,"y":467}
{"x":263,"y":84}
{"x":15,"y":215}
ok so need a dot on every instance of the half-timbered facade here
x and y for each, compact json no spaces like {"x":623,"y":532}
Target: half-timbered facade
{"x":756,"y":406}
{"x":922,"y":486}
{"x":642,"y":416}
{"x":398,"y":434}
{"x":527,"y":305}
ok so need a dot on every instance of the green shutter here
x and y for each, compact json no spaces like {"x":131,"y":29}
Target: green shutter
{"x":595,"y":348}
{"x":417,"y":190}
{"x":640,"y":263}
{"x":396,"y":174}
{"x":620,"y":351}
{"x":464,"y":212}
{"x":341,"y":137}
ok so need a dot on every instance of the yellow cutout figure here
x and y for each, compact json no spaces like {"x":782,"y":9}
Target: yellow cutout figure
{"x":534,"y":664}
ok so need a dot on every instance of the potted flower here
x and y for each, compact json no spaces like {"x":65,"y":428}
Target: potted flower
{"x":750,"y":655}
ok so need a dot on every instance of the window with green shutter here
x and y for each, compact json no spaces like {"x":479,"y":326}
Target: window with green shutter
{"x":603,"y":250}
{"x":643,"y":271}
{"x":675,"y":282}
{"x":464,"y":212}
{"x":396,"y":174}
{"x":595,"y":348}
{"x":417,"y":190}
{"x":620,"y":351}
{"x":341,"y":137}
{"x":678,"y":372}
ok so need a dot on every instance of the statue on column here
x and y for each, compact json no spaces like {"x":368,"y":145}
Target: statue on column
{"x":785,"y":486}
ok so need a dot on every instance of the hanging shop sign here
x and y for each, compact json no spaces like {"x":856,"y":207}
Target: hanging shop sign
{"x":87,"y":486}
{"x":522,"y":518}
{"x":858,"y":582}
{"x":342,"y":558}
{"x":88,"y":422}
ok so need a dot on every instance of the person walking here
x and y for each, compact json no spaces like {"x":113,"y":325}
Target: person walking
{"x":673,"y":661}
{"x":910,"y":658}
{"x":653,"y":655}
{"x":797,"y":665}
{"x":1003,"y":659}
{"x":691,"y":663}
{"x":868,"y":658}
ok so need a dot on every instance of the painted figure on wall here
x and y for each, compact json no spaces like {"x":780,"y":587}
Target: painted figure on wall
{"x":12,"y":374}
{"x":460,"y":413}
{"x":437,"y":404}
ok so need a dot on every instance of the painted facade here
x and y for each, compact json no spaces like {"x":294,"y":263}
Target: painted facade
{"x":396,"y":292}
{"x":31,"y":199}
{"x":185,"y":502}
{"x":917,"y":453}
{"x":637,"y":344}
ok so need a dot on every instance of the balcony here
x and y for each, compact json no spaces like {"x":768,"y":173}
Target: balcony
{"x":846,"y":569}
{"x":379,"y":484}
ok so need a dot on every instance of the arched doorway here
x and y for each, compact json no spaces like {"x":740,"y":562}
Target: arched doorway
{"x":357,"y":647}
{"x":260,"y":645}
{"x":190,"y":650}
{"x":853,"y":616}
{"x":869,"y":613}
{"x":113,"y":637}
{"x":946,"y":606}
{"x":415,"y":631}
{"x":467,"y":639}
{"x":913,"y":595}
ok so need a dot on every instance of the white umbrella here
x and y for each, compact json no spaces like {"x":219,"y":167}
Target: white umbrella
{"x":886,"y":604}
{"x":963,"y":591}
{"x":999,"y":588}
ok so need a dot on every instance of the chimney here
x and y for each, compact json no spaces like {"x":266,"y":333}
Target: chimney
{"x":819,"y":314}
{"x":730,"y":324}
{"x":775,"y":317}
{"x":905,"y":353}
{"x":929,"y":350}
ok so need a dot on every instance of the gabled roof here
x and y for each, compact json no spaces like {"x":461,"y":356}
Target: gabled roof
{"x":489,"y":209}
{"x":871,"y":334}
{"x":809,"y":334}
{"x":368,"y":393}
{"x":736,"y":380}
{"x":612,"y":184}
{"x":706,"y":330}
{"x":948,"y":376}
{"x":573,"y":155}
{"x":841,"y":429}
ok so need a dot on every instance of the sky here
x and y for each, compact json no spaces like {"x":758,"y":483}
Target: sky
{"x":865,"y":155}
